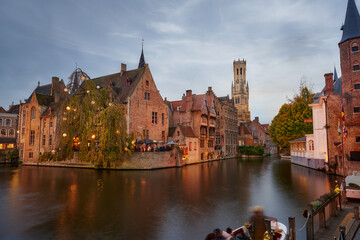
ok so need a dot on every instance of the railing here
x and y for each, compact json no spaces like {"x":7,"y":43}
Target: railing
{"x":317,"y":219}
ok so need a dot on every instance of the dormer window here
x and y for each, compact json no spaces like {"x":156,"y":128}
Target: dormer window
{"x":128,"y":82}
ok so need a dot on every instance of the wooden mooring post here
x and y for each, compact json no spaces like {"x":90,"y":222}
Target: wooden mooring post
{"x":310,"y":224}
{"x":292,"y":229}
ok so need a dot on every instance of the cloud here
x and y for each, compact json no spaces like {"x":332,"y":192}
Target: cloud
{"x":166,"y":27}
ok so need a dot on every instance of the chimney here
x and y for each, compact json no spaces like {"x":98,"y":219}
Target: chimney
{"x":329,"y":84}
{"x":123,"y":69}
{"x":38,"y":83}
{"x":55,"y":88}
{"x":256,"y":119}
{"x":188,"y":93}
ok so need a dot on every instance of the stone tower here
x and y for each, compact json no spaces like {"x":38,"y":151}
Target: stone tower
{"x":240,"y":91}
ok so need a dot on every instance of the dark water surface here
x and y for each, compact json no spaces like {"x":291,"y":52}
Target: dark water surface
{"x":184,"y":203}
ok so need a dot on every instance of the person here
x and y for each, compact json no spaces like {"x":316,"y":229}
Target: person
{"x":218,"y":234}
{"x":257,"y":220}
{"x":210,"y":236}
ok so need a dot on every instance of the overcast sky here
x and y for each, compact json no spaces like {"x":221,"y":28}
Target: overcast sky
{"x":188,"y":44}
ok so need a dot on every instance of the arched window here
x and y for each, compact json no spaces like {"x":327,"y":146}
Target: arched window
{"x":311,"y":145}
{"x":33,"y":113}
{"x":240,"y":71}
{"x":237,"y":71}
{"x":3,"y":132}
{"x":11,"y":132}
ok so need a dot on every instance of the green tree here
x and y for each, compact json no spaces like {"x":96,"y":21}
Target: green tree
{"x":289,"y":124}
{"x":94,"y":126}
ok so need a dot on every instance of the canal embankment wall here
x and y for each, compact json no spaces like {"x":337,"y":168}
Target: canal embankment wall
{"x":138,"y":161}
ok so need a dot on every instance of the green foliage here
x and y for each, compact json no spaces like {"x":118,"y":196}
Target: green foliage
{"x":46,"y":157}
{"x":316,"y":204}
{"x":354,"y":185}
{"x":13,"y":154}
{"x":289,"y":124}
{"x":96,"y":125}
{"x":251,"y":150}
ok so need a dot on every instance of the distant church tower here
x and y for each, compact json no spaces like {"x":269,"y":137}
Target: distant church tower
{"x":240,"y":91}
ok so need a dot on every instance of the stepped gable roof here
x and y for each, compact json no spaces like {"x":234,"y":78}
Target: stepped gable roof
{"x":198,"y":101}
{"x":14,"y":109}
{"x":187,"y":131}
{"x":2,"y":110}
{"x":123,"y":85}
{"x":351,"y":27}
{"x":302,"y":139}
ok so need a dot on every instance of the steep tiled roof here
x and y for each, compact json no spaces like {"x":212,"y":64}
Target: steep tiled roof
{"x":351,"y":27}
{"x":198,"y":101}
{"x":120,"y":84}
{"x":14,"y":108}
{"x":44,"y":100}
{"x":187,"y":131}
{"x":2,"y":110}
{"x":43,"y":90}
{"x":175,"y":104}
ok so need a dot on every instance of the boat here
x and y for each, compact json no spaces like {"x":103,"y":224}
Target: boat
{"x":279,"y":230}
{"x":353,"y":185}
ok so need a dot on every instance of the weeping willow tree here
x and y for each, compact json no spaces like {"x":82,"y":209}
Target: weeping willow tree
{"x":94,"y":126}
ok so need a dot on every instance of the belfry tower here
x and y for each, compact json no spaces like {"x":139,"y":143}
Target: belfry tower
{"x":240,"y":91}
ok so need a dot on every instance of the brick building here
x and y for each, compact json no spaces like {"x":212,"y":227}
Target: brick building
{"x":8,"y":127}
{"x":39,"y":120}
{"x":228,"y":123}
{"x":146,"y":112}
{"x":201,"y":113}
{"x":336,"y":109}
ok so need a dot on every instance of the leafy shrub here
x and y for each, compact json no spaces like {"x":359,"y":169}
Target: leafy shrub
{"x":354,"y":185}
{"x":316,"y":204}
{"x":46,"y":157}
{"x":13,"y":154}
{"x":251,"y":150}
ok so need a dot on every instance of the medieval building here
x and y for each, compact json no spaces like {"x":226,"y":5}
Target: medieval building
{"x":335,"y":142}
{"x":240,"y":91}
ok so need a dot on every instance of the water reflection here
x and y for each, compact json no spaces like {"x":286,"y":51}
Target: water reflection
{"x":186,"y":203}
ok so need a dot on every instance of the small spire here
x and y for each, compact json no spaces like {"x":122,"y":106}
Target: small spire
{"x":335,"y":75}
{"x":142,"y":58}
{"x":351,"y":27}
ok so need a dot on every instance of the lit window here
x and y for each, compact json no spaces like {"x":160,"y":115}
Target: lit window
{"x":11,"y":132}
{"x":3,"y":132}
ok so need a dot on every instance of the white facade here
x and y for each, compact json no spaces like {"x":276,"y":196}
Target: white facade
{"x":319,"y":129}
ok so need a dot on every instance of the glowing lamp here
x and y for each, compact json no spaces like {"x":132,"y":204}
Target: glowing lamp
{"x":93,"y":102}
{"x":87,"y":91}
{"x":110,"y":104}
{"x":83,"y":78}
{"x":64,"y":134}
{"x":68,"y":108}
{"x":66,"y":90}
{"x":98,"y":87}
{"x":93,"y":136}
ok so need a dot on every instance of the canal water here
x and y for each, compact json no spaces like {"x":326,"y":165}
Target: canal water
{"x":177,"y":203}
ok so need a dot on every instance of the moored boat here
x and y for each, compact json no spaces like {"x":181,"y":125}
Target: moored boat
{"x":278,"y":229}
{"x":353,"y":185}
